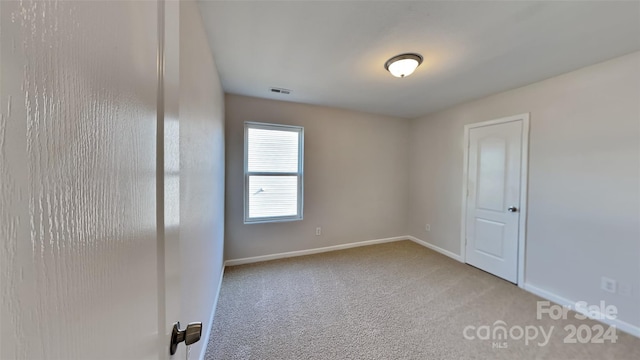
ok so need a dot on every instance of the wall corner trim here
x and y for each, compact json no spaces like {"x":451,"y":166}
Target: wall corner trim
{"x":207,"y":334}
{"x":289,"y":254}
{"x":436,"y":248}
{"x":548,"y":295}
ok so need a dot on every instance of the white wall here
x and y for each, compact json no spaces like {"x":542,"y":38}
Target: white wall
{"x":201,"y":174}
{"x":584,"y":196}
{"x":355,"y":184}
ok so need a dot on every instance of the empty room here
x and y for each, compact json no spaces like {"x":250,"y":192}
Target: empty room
{"x":223,"y":180}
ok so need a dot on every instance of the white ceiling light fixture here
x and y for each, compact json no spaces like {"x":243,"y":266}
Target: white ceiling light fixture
{"x":403,"y":65}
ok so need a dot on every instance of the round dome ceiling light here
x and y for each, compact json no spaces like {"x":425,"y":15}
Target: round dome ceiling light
{"x":403,"y":65}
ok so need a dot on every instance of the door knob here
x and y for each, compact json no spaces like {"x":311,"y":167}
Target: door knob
{"x":512,"y":209}
{"x":189,"y":335}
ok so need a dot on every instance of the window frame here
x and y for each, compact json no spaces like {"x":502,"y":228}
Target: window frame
{"x":299,"y":173}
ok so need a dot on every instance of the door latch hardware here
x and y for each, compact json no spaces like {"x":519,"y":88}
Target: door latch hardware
{"x":189,"y":335}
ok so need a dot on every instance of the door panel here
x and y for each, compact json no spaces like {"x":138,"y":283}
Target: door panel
{"x":493,"y":185}
{"x":490,"y":238}
{"x":491,"y":173}
{"x":78,"y":261}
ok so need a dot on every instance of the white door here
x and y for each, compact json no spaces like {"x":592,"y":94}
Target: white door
{"x":105,"y":241}
{"x":78,"y":254}
{"x":494,"y":171}
{"x":171,"y":179}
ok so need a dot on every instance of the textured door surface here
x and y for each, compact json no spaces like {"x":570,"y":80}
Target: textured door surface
{"x":78,"y":258}
{"x":494,"y":186}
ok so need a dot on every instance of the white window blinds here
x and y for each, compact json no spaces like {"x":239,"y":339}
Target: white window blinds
{"x":273,"y":172}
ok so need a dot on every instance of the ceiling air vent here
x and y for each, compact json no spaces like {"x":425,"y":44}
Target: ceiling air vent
{"x":280,"y":91}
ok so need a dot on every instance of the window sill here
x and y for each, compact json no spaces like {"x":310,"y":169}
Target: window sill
{"x":272,"y":220}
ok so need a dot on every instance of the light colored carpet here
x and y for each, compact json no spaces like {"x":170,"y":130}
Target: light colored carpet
{"x":390,"y":301}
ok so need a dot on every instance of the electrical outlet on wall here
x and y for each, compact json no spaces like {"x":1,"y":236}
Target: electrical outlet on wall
{"x":318,"y":231}
{"x":608,"y":285}
{"x":427,"y":227}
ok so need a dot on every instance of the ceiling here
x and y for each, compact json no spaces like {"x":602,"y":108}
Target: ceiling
{"x":332,"y":53}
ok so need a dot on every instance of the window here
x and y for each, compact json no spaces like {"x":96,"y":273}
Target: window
{"x":272,"y":172}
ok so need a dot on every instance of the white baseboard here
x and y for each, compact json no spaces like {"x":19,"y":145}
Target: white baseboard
{"x":436,"y":248}
{"x":207,"y":333}
{"x":289,"y":254}
{"x":619,"y":324}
